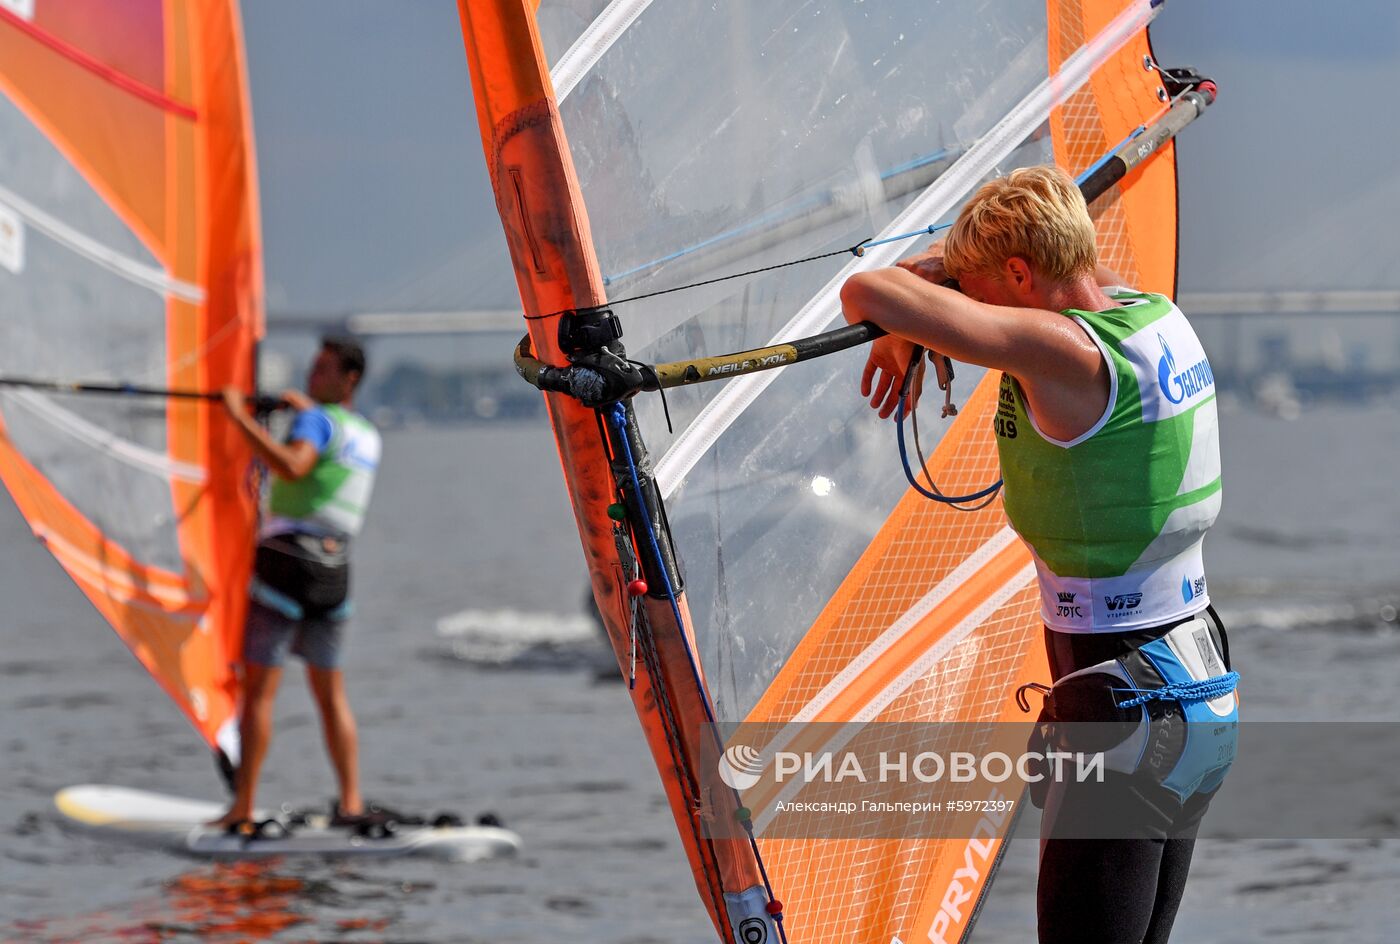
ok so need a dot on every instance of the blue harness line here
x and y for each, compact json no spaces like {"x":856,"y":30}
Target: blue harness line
{"x":1180,"y":725}
{"x":1184,"y":692}
{"x":1209,"y":740}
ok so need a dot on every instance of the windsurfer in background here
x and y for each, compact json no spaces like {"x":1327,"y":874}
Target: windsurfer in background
{"x":1109,"y":451}
{"x":322,"y":475}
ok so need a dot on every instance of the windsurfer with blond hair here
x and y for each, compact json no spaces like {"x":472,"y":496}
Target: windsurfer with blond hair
{"x":322,"y":475}
{"x":1106,"y":433}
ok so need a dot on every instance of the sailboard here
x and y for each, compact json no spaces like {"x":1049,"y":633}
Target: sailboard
{"x":754,"y":548}
{"x":131,"y":277}
{"x":177,"y":824}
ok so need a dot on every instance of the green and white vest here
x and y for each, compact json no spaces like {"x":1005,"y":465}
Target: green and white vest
{"x":1115,"y":518}
{"x":332,"y":498}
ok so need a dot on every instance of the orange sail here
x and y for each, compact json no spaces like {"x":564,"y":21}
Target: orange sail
{"x":129,"y":254}
{"x":791,"y":577}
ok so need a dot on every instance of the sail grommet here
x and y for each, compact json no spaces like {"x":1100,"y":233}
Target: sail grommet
{"x":637,"y":587}
{"x":617,"y":511}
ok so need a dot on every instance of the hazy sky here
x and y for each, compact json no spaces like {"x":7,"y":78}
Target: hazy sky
{"x":375,"y":195}
{"x":1290,"y":182}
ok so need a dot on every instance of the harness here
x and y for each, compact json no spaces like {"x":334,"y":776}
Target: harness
{"x":1166,"y":712}
{"x":303,"y":576}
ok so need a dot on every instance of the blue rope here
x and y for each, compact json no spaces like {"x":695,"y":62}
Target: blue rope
{"x":909,"y":472}
{"x":618,"y":415}
{"x":619,"y":418}
{"x":926,"y":231}
{"x":728,"y":234}
{"x":1205,"y":690}
{"x":777,"y":916}
{"x":935,"y":157}
{"x":1108,"y":156}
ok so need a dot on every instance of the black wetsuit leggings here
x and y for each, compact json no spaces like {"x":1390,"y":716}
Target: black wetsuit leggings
{"x":1112,"y":891}
{"x":1117,"y":891}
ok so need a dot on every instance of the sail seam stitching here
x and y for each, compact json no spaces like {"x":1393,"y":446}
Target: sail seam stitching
{"x":111,"y":578}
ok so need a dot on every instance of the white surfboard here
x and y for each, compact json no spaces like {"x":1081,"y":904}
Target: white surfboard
{"x":177,"y":824}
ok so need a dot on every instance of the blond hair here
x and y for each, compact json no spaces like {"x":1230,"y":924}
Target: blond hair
{"x":1036,"y":213}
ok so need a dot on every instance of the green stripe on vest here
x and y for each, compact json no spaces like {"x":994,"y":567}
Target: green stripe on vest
{"x":334,"y":495}
{"x":1098,"y":507}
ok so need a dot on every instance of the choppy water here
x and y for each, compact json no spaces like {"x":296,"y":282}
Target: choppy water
{"x":1305,"y":567}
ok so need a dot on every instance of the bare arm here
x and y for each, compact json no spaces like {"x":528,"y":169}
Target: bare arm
{"x":288,"y":461}
{"x":1025,"y":342}
{"x":1051,"y":355}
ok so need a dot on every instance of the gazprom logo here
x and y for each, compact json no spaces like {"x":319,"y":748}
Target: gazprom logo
{"x":740,"y":766}
{"x":1187,"y":383}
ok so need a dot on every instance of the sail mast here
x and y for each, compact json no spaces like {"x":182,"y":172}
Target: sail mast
{"x":547,"y":231}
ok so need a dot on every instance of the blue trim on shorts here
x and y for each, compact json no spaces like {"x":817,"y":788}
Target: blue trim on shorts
{"x":275,"y":599}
